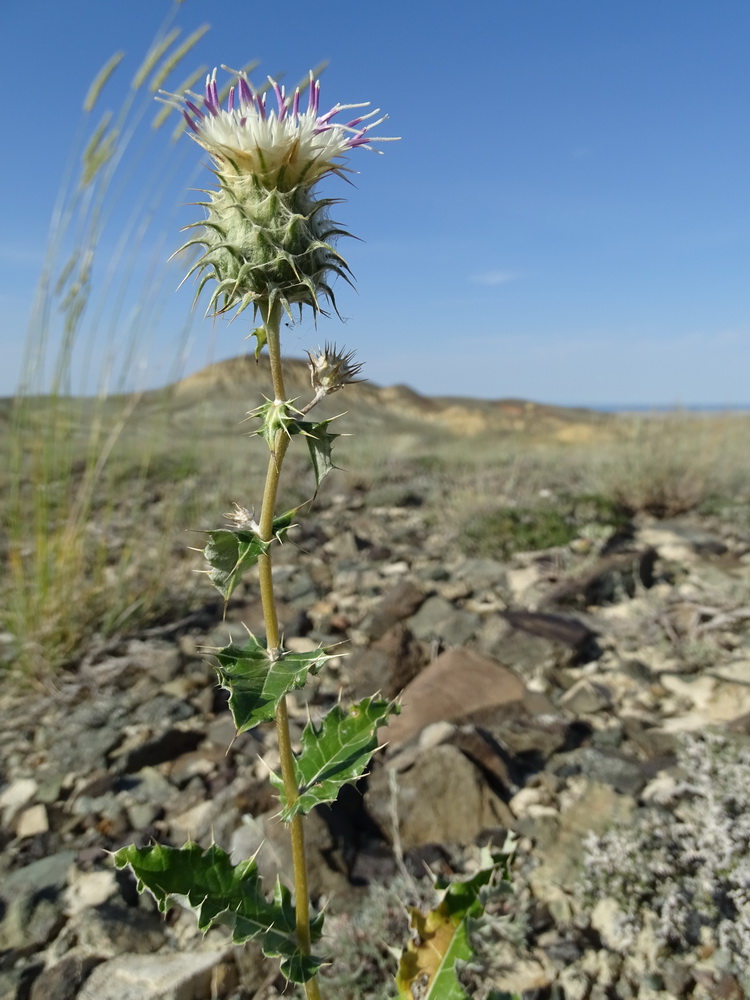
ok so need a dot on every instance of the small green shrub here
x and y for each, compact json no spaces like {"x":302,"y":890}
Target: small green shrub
{"x":500,"y":532}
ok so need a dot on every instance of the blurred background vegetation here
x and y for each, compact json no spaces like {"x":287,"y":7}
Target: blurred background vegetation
{"x":99,"y":492}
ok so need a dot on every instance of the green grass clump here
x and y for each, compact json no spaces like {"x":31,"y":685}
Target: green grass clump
{"x":500,"y":532}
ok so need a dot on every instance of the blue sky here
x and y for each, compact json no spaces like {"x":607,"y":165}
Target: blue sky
{"x":566,"y":219}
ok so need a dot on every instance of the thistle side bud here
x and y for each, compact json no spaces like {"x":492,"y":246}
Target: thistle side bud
{"x":331,"y":370}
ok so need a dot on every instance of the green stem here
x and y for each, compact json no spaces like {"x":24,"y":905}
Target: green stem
{"x":271,"y":321}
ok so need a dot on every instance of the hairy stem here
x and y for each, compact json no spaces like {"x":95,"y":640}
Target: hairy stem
{"x":271,"y":321}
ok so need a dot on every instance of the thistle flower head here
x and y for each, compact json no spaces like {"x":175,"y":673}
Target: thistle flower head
{"x":331,"y":369}
{"x":268,"y":239}
{"x":283,"y":146}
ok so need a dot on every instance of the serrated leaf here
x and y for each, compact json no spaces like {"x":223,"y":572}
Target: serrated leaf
{"x":441,"y":937}
{"x":320,"y":443}
{"x":222,"y":893}
{"x":257,"y":683}
{"x":334,"y":754}
{"x":230,"y":552}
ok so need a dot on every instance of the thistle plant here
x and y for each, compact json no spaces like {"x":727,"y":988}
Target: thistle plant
{"x":267,"y":241}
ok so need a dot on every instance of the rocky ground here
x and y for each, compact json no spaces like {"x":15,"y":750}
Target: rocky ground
{"x":548,"y":694}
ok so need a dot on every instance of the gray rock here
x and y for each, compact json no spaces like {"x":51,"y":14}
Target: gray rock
{"x":586,"y":697}
{"x":185,"y":976}
{"x":159,"y":747}
{"x":81,"y":750}
{"x":163,"y":708}
{"x":606,"y":767}
{"x":593,"y":810}
{"x":15,"y":983}
{"x":529,"y":656}
{"x":112,"y":929}
{"x":48,"y":874}
{"x":439,"y":619}
{"x":157,"y":658}
{"x":301,"y":589}
{"x":30,"y":922}
{"x":63,"y":980}
{"x":398,"y":603}
{"x":483,"y":574}
{"x":531,"y":729}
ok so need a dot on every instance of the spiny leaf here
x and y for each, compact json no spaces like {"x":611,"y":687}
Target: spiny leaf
{"x":222,"y":893}
{"x":334,"y":754}
{"x":260,"y":340}
{"x":441,"y":936}
{"x":232,"y":551}
{"x":257,"y":683}
{"x":275,"y":416}
{"x":320,"y":443}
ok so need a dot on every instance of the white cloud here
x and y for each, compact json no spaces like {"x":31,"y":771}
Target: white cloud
{"x":494,"y":278}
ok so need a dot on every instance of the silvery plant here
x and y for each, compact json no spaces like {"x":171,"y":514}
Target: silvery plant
{"x":683,"y":866}
{"x":267,"y":241}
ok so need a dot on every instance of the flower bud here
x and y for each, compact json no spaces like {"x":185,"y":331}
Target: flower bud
{"x":331,"y":369}
{"x":267,"y":237}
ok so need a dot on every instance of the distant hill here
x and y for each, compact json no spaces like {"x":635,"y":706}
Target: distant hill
{"x":242,"y":380}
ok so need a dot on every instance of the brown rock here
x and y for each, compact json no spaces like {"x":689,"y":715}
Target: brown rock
{"x":442,"y":799}
{"x":454,"y":688}
{"x":387,"y":666}
{"x":398,"y":603}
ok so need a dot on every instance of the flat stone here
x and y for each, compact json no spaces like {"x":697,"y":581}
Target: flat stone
{"x":30,"y":922}
{"x":194,"y":823}
{"x":46,"y":875}
{"x":586,"y":697}
{"x":89,"y":889}
{"x":158,"y":748}
{"x":483,"y":573}
{"x":32,"y":821}
{"x":111,"y":929}
{"x":13,"y":798}
{"x":387,"y":666}
{"x":15,"y":983}
{"x":453,"y":688}
{"x":81,"y":751}
{"x":529,"y":656}
{"x":398,"y":603}
{"x":606,"y":767}
{"x":63,"y":980}
{"x":439,"y":619}
{"x":185,"y":976}
{"x":163,"y":708}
